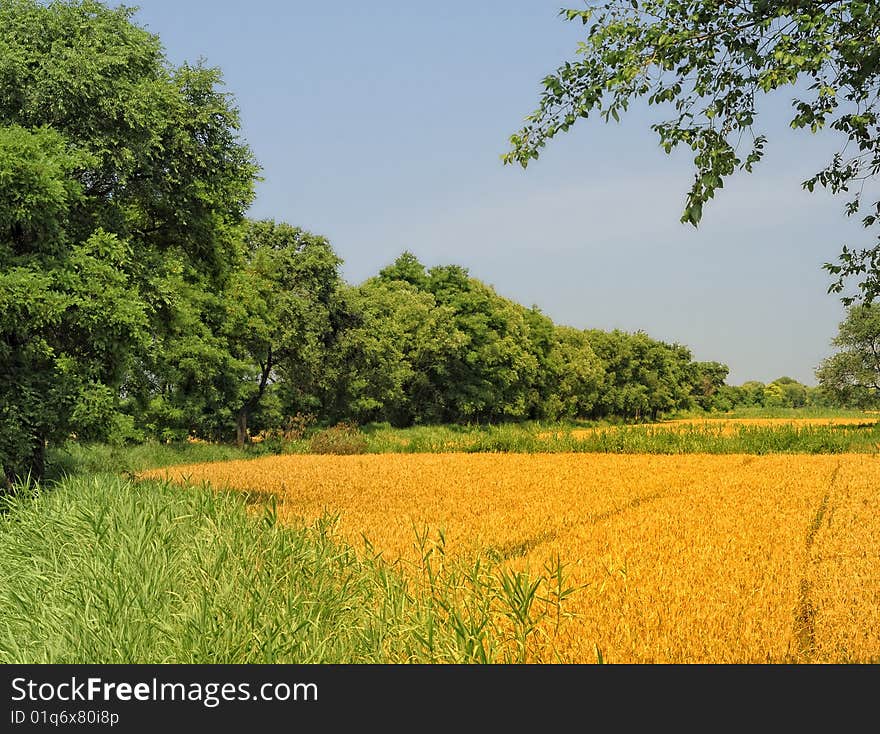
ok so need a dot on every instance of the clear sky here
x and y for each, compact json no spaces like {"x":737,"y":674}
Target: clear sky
{"x":381,"y":126}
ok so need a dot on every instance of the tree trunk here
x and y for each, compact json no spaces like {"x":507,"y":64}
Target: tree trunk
{"x":241,"y":434}
{"x":38,"y":460}
{"x":32,"y":469}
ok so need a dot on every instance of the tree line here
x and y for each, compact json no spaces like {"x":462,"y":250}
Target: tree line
{"x":411,"y":345}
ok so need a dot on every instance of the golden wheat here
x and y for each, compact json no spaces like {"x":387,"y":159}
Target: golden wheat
{"x":691,"y":558}
{"x":722,"y":426}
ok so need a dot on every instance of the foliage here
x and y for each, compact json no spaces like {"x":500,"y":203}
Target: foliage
{"x":853,"y":374}
{"x":281,"y":308}
{"x":708,"y":62}
{"x":388,"y":361}
{"x":119,"y":173}
{"x":708,"y":383}
{"x":643,"y":377}
{"x":570,"y":374}
{"x":487,"y":377}
{"x":343,"y":438}
{"x":432,"y":346}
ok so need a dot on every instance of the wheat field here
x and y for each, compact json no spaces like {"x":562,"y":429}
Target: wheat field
{"x":728,"y":426}
{"x":676,"y":559}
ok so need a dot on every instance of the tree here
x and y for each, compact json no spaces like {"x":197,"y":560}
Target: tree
{"x":490,"y":374}
{"x":774,"y":396}
{"x":852,"y":376}
{"x":710,"y":61}
{"x":187,"y":381}
{"x":569,"y":373}
{"x":753,"y":393}
{"x":266,"y":333}
{"x":708,"y":380}
{"x":572,"y":375}
{"x":387,"y":365}
{"x":116,"y":169}
{"x":406,"y":268}
{"x":53,"y":290}
{"x":281,"y":309}
{"x":794,"y":394}
{"x":643,"y":377}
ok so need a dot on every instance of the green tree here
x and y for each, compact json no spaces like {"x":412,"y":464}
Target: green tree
{"x":439,"y":345}
{"x":708,"y":380}
{"x":643,"y":377}
{"x":708,"y":62}
{"x":389,"y":364}
{"x":115,"y":168}
{"x":282,"y":308}
{"x":575,"y":372}
{"x":753,"y":393}
{"x":774,"y":396}
{"x":490,"y":375}
{"x":187,"y":380}
{"x":794,"y":394}
{"x":852,"y":375}
{"x":727,"y":398}
{"x":69,"y":314}
{"x":406,"y":268}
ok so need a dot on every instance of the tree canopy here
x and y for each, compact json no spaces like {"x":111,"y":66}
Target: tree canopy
{"x":852,"y":375}
{"x":708,"y":62}
{"x":437,"y":345}
{"x":122,"y":184}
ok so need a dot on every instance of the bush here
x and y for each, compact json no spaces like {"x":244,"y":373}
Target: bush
{"x":343,"y":438}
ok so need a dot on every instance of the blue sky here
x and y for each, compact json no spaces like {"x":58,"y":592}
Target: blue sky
{"x":381,"y":125}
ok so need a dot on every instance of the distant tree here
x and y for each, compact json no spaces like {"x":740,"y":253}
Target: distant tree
{"x":281,"y":309}
{"x":438,"y":345}
{"x":490,"y":375}
{"x":852,"y":376}
{"x":707,"y":380}
{"x":389,"y":365}
{"x":727,"y":398}
{"x":753,"y":393}
{"x":116,"y":168}
{"x":574,"y":374}
{"x":569,"y":372}
{"x":794,"y":394}
{"x":819,"y":397}
{"x":709,"y":61}
{"x":644,"y":378}
{"x":774,"y":396}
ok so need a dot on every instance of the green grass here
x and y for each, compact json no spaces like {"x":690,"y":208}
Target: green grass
{"x":761,"y":412}
{"x":76,"y":458}
{"x":105,"y":570}
{"x":530,"y":437}
{"x":534,"y":438}
{"x":745,"y":440}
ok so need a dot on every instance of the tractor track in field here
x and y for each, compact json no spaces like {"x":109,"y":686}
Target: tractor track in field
{"x":805,"y":611}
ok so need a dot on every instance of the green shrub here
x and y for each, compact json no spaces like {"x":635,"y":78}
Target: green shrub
{"x":343,"y":438}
